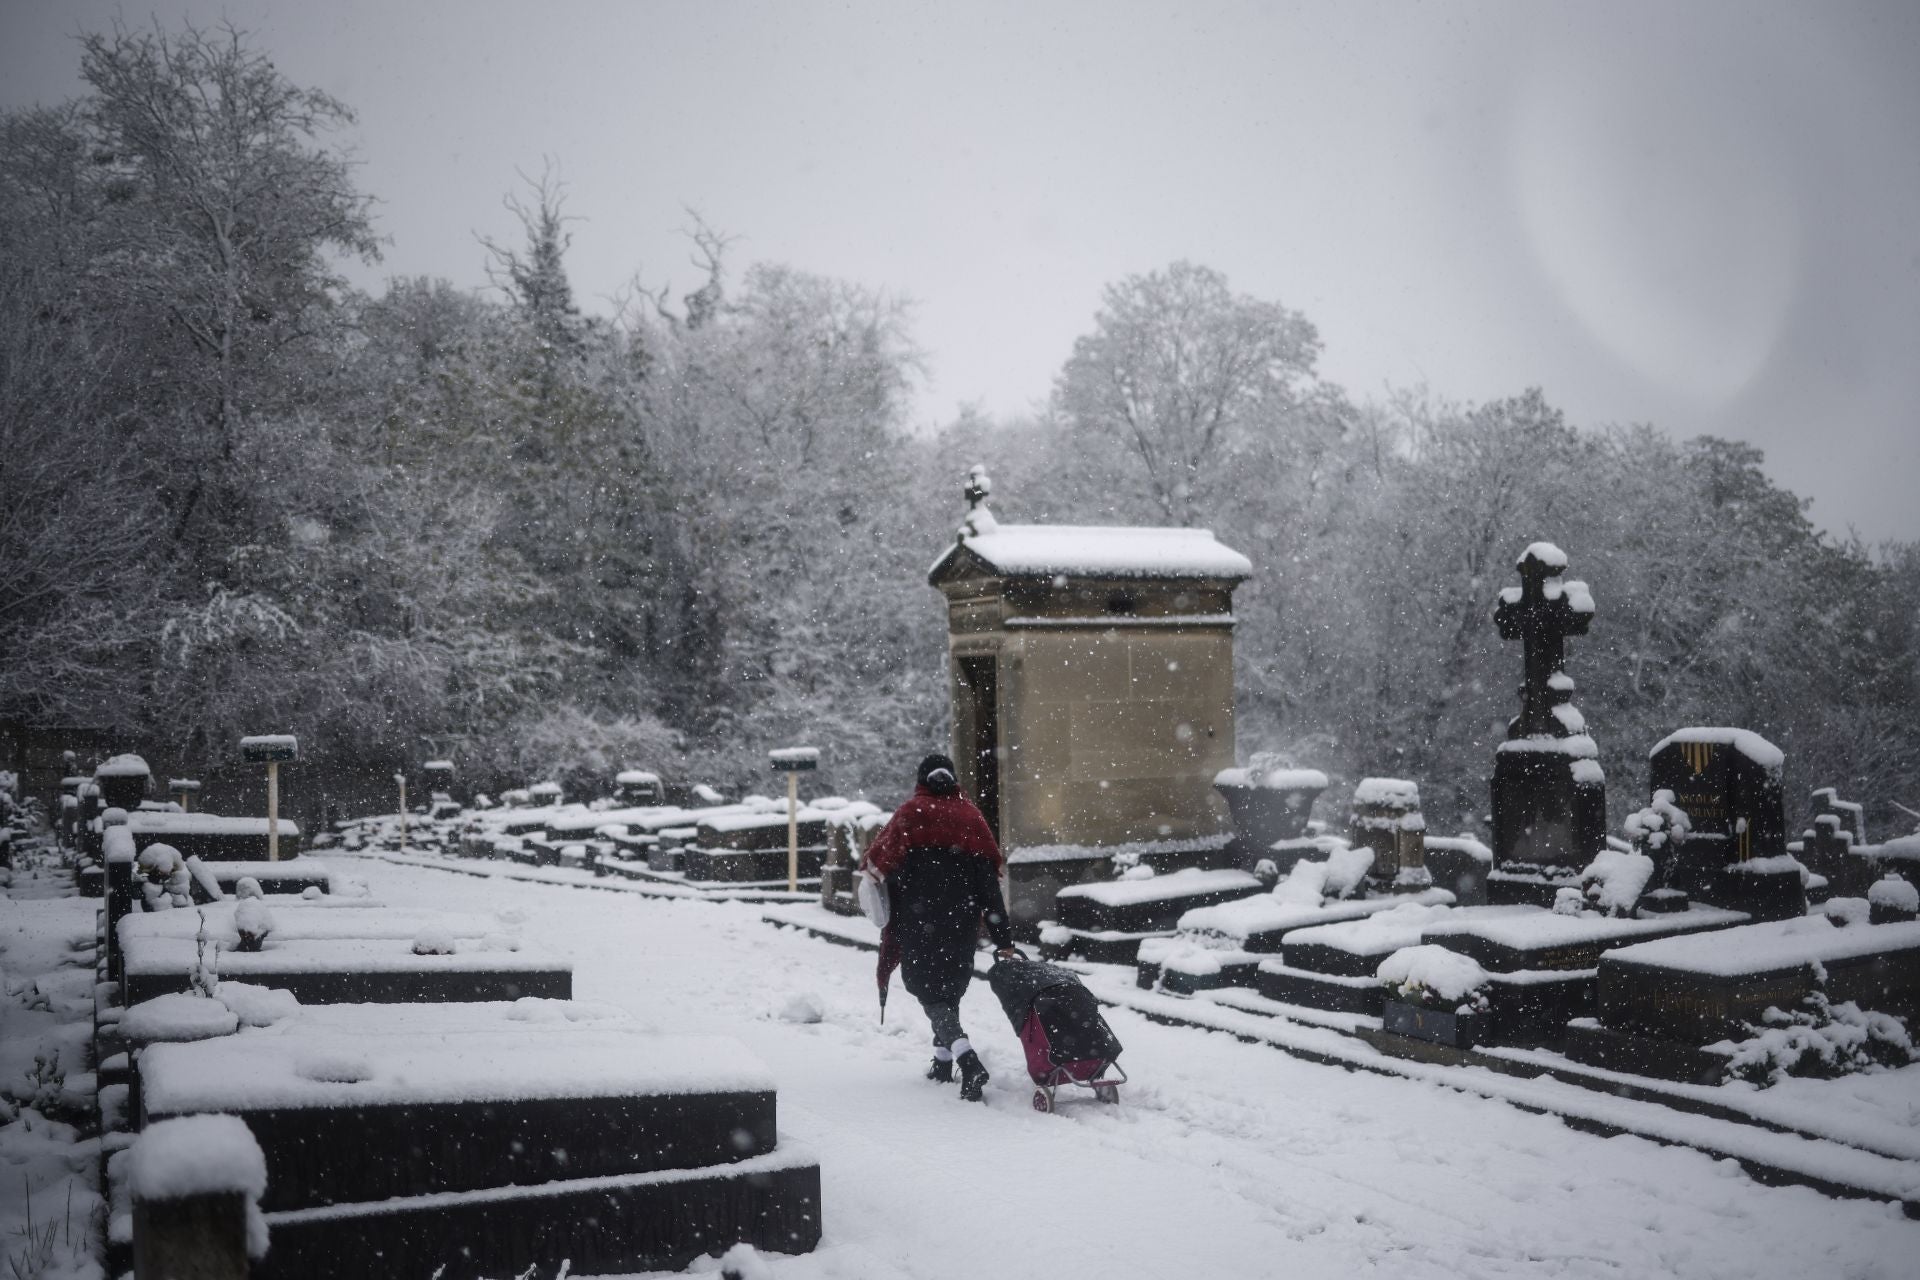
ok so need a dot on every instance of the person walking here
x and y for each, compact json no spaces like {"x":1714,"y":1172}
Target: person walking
{"x":941,"y":866}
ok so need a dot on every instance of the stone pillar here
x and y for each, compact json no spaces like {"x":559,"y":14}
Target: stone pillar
{"x":1386,"y":818}
{"x":195,"y":1238}
{"x":196,"y":1184}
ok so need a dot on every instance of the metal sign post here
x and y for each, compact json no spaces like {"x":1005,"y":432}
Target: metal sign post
{"x":794,"y":761}
{"x":270,"y":749}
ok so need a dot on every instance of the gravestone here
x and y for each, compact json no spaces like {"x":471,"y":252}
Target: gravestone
{"x":1829,"y":846}
{"x":438,"y":777}
{"x":1549,"y":793}
{"x":637,"y":787}
{"x":1728,"y":783}
{"x":1092,"y":692}
{"x":1385,"y":817}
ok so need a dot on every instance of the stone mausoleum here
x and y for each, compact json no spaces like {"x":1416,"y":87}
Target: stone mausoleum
{"x":1092,"y":692}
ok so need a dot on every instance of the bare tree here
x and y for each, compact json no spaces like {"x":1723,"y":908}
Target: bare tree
{"x":1178,"y":370}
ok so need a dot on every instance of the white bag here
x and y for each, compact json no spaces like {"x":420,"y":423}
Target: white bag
{"x":874,"y":902}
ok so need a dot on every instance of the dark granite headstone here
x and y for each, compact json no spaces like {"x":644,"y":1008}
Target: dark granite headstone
{"x":1728,"y":782}
{"x":635,"y":787}
{"x":1549,"y":794}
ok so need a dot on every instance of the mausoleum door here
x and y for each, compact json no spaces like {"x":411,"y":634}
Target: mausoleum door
{"x":979,"y":688}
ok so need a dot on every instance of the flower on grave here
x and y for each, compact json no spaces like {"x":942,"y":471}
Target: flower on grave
{"x":1433,"y":977}
{"x":165,"y":879}
{"x":253,"y":922}
{"x":1656,"y":829}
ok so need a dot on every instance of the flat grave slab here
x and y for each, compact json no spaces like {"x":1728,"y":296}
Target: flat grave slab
{"x":285,"y":878}
{"x":744,"y":866}
{"x":1536,"y":938}
{"x":346,"y":1113}
{"x":1259,"y":923}
{"x":301,"y":919}
{"x":353,"y":971}
{"x":1355,"y":948}
{"x":1153,"y":903}
{"x":659,"y":1221}
{"x":212,"y":837}
{"x":1704,"y":988}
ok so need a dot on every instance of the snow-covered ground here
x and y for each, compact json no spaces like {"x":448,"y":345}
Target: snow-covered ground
{"x":49,"y":1207}
{"x":1224,"y":1160}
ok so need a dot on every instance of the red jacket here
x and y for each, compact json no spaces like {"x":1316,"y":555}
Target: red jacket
{"x":950,"y":821}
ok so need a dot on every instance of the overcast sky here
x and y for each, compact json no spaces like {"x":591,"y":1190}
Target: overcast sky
{"x":1702,"y":216}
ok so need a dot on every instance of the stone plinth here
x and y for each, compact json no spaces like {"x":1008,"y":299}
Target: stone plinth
{"x":1549,"y":818}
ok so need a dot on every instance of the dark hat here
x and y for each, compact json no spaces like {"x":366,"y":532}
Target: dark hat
{"x":937,"y":775}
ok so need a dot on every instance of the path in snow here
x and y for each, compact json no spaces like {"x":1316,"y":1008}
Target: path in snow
{"x":1225,"y":1160}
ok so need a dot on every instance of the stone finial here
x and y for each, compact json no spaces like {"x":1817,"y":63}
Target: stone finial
{"x":979,"y":516}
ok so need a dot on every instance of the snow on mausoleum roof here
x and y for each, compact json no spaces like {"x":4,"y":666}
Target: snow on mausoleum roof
{"x":1094,"y":551}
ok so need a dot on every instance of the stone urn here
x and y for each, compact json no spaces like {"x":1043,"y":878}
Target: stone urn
{"x":1269,"y":804}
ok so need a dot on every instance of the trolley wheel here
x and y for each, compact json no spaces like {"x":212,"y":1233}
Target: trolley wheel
{"x":1042,"y":1100}
{"x":1107,"y":1093}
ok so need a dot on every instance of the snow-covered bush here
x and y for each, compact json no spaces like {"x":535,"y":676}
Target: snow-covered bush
{"x":1819,"y":1039}
{"x":1655,"y":829}
{"x":1569,"y":901}
{"x":1435,"y":978}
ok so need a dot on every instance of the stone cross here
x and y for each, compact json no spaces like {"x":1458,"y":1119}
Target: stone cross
{"x":1541,"y":614}
{"x":979,"y":487}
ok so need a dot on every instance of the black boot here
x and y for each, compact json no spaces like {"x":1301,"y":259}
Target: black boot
{"x":973,"y":1076}
{"x":941,"y":1071}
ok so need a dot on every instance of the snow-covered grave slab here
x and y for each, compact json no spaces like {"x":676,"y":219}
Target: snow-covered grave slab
{"x":1535,"y":938}
{"x":1332,"y":966}
{"x":639,"y":1222}
{"x":1355,"y":948}
{"x":354,"y":970}
{"x":1261,"y":924}
{"x":213,"y":837}
{"x":1155,"y":902}
{"x":282,"y":879}
{"x":301,"y":919}
{"x":521,"y":820}
{"x":1703,"y":988}
{"x":578,"y":826}
{"x":352,"y":1113}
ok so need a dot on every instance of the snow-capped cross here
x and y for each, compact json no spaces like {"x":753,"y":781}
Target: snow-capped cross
{"x":1541,"y":613}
